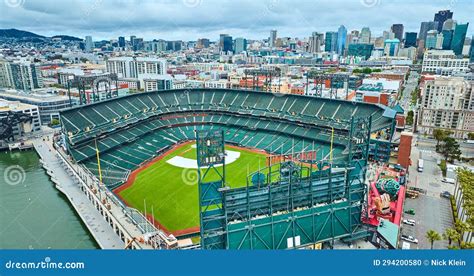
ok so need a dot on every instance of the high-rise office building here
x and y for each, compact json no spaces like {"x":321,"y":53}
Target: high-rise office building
{"x":447,"y":38}
{"x":397,"y":29}
{"x":202,"y":43}
{"x":391,"y":47}
{"x":330,"y":42}
{"x":410,"y":39}
{"x":360,"y":50}
{"x":273,"y":38}
{"x":315,"y":42}
{"x":471,"y":51}
{"x":225,"y":43}
{"x":441,"y":17}
{"x":240,"y":45}
{"x":121,"y":41}
{"x":365,"y":35}
{"x":425,"y":27}
{"x":431,"y":37}
{"x":449,"y":25}
{"x":341,"y":39}
{"x":457,"y":43}
{"x":89,"y":44}
{"x":439,"y":41}
{"x":132,"y":40}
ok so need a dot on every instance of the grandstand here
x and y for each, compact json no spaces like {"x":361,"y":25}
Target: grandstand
{"x":131,"y":130}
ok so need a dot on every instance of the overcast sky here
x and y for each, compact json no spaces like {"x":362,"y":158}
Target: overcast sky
{"x":192,"y":19}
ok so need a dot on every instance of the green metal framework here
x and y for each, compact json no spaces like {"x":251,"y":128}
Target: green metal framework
{"x":211,"y":157}
{"x":299,"y":203}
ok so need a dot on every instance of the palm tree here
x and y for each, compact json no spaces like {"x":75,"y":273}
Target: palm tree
{"x":451,"y":235}
{"x":461,"y":227}
{"x":433,"y":236}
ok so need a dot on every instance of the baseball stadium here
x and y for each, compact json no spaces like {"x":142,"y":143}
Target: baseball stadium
{"x":236,"y":169}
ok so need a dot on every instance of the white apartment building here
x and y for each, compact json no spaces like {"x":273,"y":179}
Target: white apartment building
{"x":139,"y":68}
{"x":443,"y":62}
{"x":447,"y":103}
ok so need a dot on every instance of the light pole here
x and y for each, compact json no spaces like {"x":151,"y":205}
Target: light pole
{"x":69,"y":79}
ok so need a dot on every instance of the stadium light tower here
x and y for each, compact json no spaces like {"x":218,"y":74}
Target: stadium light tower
{"x":211,"y":172}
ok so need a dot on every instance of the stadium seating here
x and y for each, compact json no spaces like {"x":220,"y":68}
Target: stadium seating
{"x":130,"y":130}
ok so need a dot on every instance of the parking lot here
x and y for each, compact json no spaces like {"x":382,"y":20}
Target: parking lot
{"x":432,"y":212}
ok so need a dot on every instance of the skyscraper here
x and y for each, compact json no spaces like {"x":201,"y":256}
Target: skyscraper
{"x":202,"y":43}
{"x":341,"y":39}
{"x":391,"y":47}
{"x":315,"y":42}
{"x":471,"y":51}
{"x":132,"y":40}
{"x":425,"y":27}
{"x":121,"y":41}
{"x":273,"y":37}
{"x":459,"y":36}
{"x":225,"y":43}
{"x":330,"y":43}
{"x":410,"y":39}
{"x":397,"y":29}
{"x":89,"y":45}
{"x":240,"y":45}
{"x":365,"y":35}
{"x":447,"y":38}
{"x":430,"y":42}
{"x":441,"y":17}
{"x":449,"y":24}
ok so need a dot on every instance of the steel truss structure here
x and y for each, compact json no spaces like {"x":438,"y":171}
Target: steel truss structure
{"x":320,"y":77}
{"x":295,"y":204}
{"x":94,"y":82}
{"x":211,"y":158}
{"x":268,"y":74}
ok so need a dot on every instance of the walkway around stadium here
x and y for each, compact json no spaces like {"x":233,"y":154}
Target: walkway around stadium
{"x":109,"y":224}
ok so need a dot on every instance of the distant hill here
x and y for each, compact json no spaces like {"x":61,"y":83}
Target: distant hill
{"x":14,"y":33}
{"x":67,"y":37}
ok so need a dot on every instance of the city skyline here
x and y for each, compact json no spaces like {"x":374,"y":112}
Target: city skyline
{"x":193,"y":19}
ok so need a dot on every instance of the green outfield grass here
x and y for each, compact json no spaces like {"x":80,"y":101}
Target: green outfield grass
{"x":173,"y":194}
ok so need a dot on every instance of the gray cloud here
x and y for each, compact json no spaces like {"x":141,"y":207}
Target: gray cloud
{"x":191,"y":19}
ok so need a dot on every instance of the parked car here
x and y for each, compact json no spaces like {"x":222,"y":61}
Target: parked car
{"x":445,"y":194}
{"x":409,"y":238}
{"x":410,"y":211}
{"x":409,"y":222}
{"x":448,"y":180}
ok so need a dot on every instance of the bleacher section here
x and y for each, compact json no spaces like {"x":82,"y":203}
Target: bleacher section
{"x":130,"y":130}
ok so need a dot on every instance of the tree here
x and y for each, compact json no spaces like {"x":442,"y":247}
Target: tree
{"x":440,"y":135}
{"x":461,"y":227}
{"x":410,"y":117}
{"x":451,"y":235}
{"x":470,"y":136}
{"x":450,"y":149}
{"x":433,"y":236}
